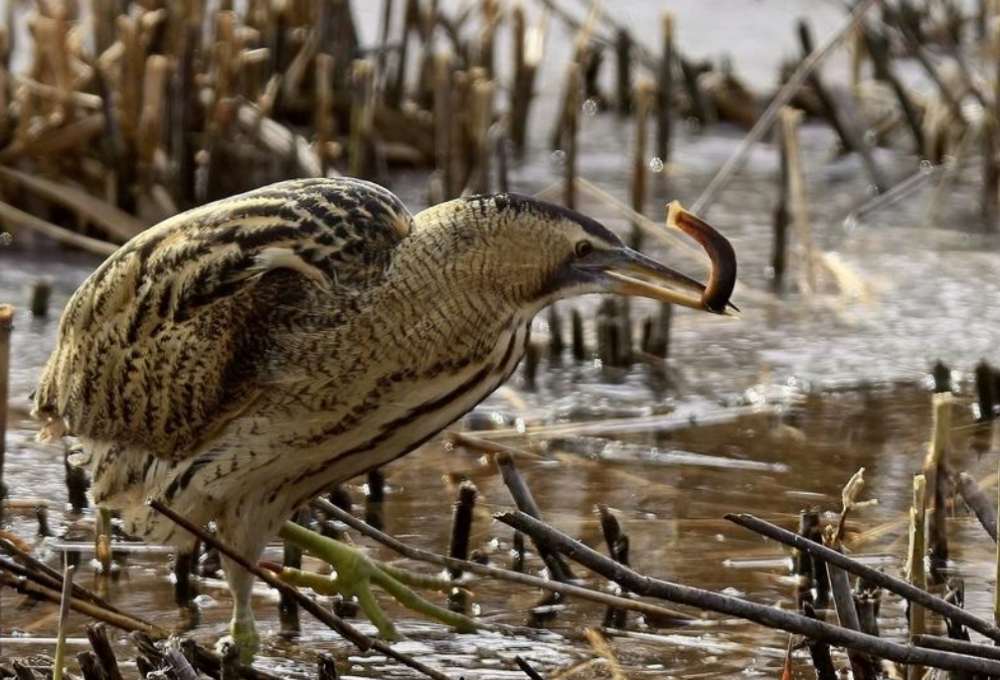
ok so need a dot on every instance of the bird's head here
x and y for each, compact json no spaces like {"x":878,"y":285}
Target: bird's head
{"x":535,"y":253}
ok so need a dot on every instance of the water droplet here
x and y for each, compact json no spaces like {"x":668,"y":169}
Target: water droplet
{"x":590,"y":107}
{"x":559,"y":157}
{"x":872,"y":190}
{"x":769,"y":272}
{"x":6,"y":238}
{"x":656,"y":164}
{"x":926,"y":166}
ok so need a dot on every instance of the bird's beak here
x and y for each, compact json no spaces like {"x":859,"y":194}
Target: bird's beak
{"x":632,"y":273}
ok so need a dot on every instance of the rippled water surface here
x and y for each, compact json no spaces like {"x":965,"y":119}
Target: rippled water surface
{"x":769,"y":414}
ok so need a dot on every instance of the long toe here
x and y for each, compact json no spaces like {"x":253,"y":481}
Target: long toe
{"x":355,"y":575}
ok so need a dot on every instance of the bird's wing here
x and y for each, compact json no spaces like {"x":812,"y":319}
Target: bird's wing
{"x":167,"y":341}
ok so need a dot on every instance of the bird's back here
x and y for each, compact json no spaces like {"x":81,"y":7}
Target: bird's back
{"x":169,"y":339}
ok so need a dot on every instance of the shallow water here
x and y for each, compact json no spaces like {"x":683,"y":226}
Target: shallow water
{"x":827,"y":383}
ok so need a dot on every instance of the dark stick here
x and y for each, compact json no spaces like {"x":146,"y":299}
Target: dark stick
{"x":521,"y":494}
{"x":579,"y":345}
{"x":288,"y":609}
{"x":861,"y":665}
{"x":957,"y":646}
{"x":744,"y":609}
{"x":42,"y":573}
{"x":89,"y":666}
{"x":97,"y":633}
{"x":528,"y":670}
{"x":461,"y":525}
{"x":327,"y":668}
{"x":557,"y":344}
{"x":782,"y":217}
{"x":359,"y":639}
{"x":890,"y":583}
{"x":819,"y":651}
{"x":979,"y":502}
{"x":851,"y":137}
{"x":493,"y":572}
{"x":6,"y":327}
{"x":618,"y":545}
{"x":623,"y":54}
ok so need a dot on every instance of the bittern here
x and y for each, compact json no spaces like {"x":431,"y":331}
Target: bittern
{"x":239,"y":359}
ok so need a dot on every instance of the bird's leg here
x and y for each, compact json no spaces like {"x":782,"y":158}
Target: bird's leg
{"x":356,"y":573}
{"x":242,"y":627}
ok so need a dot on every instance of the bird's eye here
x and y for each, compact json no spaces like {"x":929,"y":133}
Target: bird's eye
{"x":584,"y":248}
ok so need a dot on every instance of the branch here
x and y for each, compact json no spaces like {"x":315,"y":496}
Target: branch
{"x":744,"y":609}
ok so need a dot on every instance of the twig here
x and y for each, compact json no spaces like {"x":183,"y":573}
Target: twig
{"x":497,"y":573}
{"x":521,"y":494}
{"x":979,"y":502}
{"x":359,"y":639}
{"x":879,"y":578}
{"x":958,"y":646}
{"x":744,"y":609}
{"x":784,"y":96}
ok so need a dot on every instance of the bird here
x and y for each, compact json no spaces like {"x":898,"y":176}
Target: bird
{"x":238,"y":359}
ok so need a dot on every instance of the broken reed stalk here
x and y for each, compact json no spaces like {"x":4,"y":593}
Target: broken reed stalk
{"x":362,"y":119}
{"x":936,"y":473}
{"x":461,"y":525}
{"x":665,"y":90}
{"x":781,"y":99}
{"x":487,"y":571}
{"x":570,"y":132}
{"x":790,"y":121}
{"x":862,"y":666}
{"x":770,"y":617}
{"x":288,"y":609}
{"x":958,"y":646}
{"x":6,"y":329}
{"x":482,"y":120}
{"x":443,"y":124}
{"x":915,"y":560}
{"x":349,"y":632}
{"x":979,"y":502}
{"x":875,"y":576}
{"x":529,"y":46}
{"x":996,"y":571}
{"x":645,"y":92}
{"x":41,"y":293}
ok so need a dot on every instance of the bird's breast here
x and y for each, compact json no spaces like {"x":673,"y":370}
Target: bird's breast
{"x":377,"y":420}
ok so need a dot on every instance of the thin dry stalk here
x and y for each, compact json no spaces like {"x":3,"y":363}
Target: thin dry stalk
{"x":790,"y":121}
{"x":362,"y":119}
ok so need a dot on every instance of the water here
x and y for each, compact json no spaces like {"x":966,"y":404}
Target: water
{"x":829,"y":382}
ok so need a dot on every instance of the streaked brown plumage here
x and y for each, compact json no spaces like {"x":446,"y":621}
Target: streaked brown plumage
{"x":238,"y":359}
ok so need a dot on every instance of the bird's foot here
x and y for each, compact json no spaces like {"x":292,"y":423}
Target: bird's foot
{"x":355,"y":575}
{"x":244,"y":637}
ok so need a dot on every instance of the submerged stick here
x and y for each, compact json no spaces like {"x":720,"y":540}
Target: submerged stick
{"x":879,"y":578}
{"x":771,"y":617}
